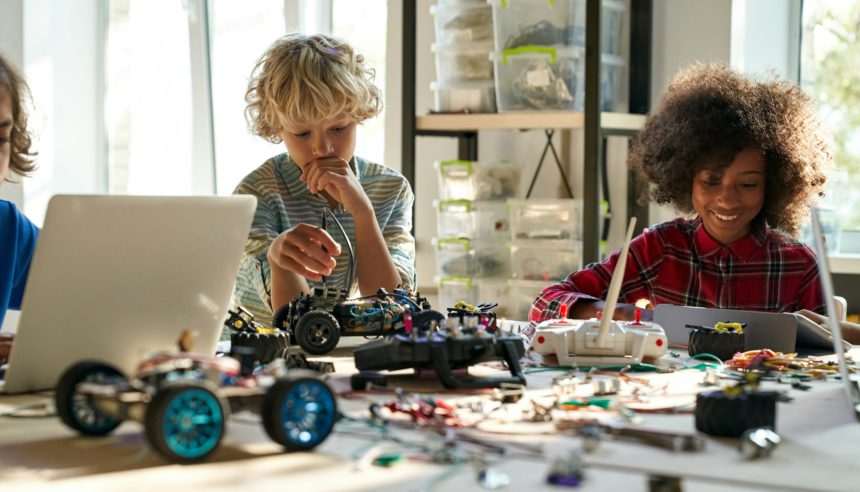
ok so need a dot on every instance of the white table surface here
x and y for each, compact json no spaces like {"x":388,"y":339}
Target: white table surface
{"x":819,"y":451}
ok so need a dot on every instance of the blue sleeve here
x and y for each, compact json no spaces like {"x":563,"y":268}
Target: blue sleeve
{"x":18,"y":239}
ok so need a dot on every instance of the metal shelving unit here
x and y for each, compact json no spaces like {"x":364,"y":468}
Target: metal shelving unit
{"x":596,"y":125}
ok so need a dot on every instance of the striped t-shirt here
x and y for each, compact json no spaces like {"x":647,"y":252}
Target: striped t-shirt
{"x":283,"y":201}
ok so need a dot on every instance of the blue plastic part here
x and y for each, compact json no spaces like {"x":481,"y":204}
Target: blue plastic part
{"x":308,"y":412}
{"x":89,"y":417}
{"x":193,"y":423}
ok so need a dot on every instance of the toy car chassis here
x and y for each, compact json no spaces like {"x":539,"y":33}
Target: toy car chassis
{"x":445,"y":351}
{"x":318,"y":320}
{"x":184,"y":400}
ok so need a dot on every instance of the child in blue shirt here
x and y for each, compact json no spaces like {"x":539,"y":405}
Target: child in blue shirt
{"x":17,"y":233}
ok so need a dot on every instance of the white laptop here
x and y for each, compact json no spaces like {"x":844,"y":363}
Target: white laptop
{"x":117,"y":277}
{"x":851,"y":381}
{"x":776,"y":331}
{"x":782,"y":332}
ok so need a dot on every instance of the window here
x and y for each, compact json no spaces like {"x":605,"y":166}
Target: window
{"x":161,"y":134}
{"x":240,"y":33}
{"x":830,"y":73}
{"x":148,"y":91}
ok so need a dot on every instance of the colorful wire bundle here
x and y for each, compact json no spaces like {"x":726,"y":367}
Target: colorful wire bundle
{"x":767,"y":359}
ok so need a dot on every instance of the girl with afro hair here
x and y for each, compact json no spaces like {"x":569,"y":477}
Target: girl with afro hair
{"x":743,"y":161}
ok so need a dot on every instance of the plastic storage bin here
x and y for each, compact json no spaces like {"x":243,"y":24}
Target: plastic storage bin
{"x":610,"y":25}
{"x":477,"y":258}
{"x":521,"y":294}
{"x":464,"y":21}
{"x":463,"y":61}
{"x":547,"y":261}
{"x":558,"y":22}
{"x":546,"y":218}
{"x":476,"y":96}
{"x":474,"y":180}
{"x":453,"y":289}
{"x":494,"y":291}
{"x":551,"y":78}
{"x":472,"y":219}
{"x":533,"y":23}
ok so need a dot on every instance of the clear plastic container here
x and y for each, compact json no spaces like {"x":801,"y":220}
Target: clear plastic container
{"x":611,"y":16}
{"x":533,"y":23}
{"x":476,"y":258}
{"x":545,"y":260}
{"x":463,"y":61}
{"x":453,"y":289}
{"x":551,"y":78}
{"x":559,"y":22}
{"x":463,"y":21}
{"x":472,"y":219}
{"x":475,"y":180}
{"x":494,"y":291}
{"x":475,"y":96}
{"x":546,"y":218}
{"x":522,"y":293}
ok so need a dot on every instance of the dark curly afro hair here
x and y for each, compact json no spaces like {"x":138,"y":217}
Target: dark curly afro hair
{"x":708,"y":114}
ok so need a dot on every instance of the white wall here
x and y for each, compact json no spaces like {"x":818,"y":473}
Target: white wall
{"x":12,"y":47}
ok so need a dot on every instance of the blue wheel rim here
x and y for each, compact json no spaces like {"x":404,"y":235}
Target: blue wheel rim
{"x":86,"y":414}
{"x":307,"y":413}
{"x":193,"y":423}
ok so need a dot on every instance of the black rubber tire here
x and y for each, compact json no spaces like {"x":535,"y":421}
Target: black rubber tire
{"x":156,"y":417}
{"x":280,"y":321}
{"x":317,"y":332}
{"x":722,"y":345}
{"x":270,"y":410}
{"x":360,"y":380}
{"x":267,"y":347}
{"x":422,"y":319}
{"x":66,"y":394}
{"x":719,"y":414}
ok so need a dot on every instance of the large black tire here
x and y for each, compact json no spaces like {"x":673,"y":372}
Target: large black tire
{"x":78,"y":411}
{"x":299,"y":412}
{"x":280,"y":321}
{"x":719,"y":414}
{"x":267,"y":347}
{"x":422,"y":320}
{"x":317,"y":332}
{"x":722,"y":345}
{"x":185,"y":420}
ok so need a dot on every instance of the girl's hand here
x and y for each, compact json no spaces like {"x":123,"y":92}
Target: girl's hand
{"x":334,"y":176}
{"x":305,"y":250}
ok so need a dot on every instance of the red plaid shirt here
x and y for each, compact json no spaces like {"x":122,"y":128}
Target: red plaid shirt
{"x":679,"y":263}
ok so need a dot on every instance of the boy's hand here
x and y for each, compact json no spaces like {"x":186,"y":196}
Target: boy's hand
{"x":334,"y":176}
{"x":305,"y":250}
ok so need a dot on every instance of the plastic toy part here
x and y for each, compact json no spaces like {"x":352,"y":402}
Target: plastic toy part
{"x":185,"y":420}
{"x":758,"y":443}
{"x":730,"y":415}
{"x":79,"y":411}
{"x":299,"y":413}
{"x":444,"y":352}
{"x":184,"y":401}
{"x":601,"y":341}
{"x":317,"y":321}
{"x":723,"y":344}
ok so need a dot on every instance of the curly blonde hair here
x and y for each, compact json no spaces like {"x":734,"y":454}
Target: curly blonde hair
{"x":21,"y":161}
{"x":708,"y":114}
{"x":303,"y":79}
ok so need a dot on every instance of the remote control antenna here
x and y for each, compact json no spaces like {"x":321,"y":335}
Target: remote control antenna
{"x":615,"y":287}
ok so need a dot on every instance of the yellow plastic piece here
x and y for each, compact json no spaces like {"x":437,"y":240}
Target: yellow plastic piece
{"x":725,"y":326}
